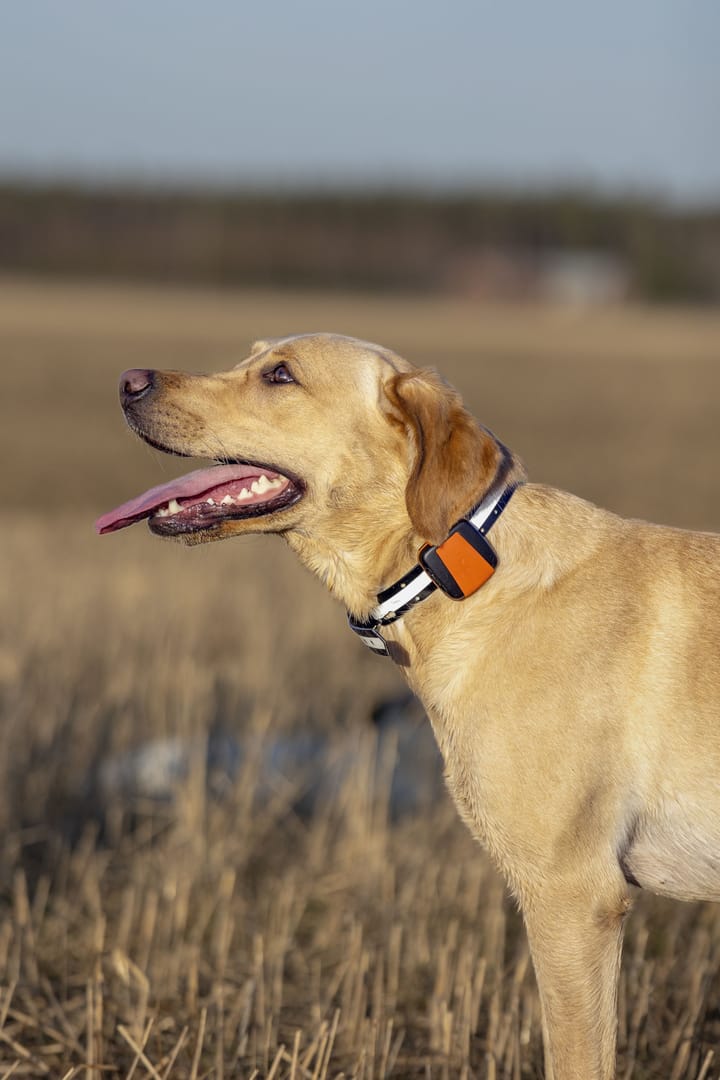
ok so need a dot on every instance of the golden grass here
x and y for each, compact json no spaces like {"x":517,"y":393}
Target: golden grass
{"x":210,"y":938}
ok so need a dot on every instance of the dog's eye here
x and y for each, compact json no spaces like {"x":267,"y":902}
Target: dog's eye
{"x":279,"y":374}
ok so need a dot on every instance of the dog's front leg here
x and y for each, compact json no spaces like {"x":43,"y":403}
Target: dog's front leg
{"x":576,"y":941}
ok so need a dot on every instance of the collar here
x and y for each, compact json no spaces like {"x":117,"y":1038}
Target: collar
{"x":458,"y":566}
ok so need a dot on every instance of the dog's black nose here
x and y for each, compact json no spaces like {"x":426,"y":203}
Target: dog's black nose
{"x":135,"y":384}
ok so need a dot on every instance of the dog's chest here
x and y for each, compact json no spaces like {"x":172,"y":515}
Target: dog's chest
{"x":470,"y":784}
{"x":459,"y":736}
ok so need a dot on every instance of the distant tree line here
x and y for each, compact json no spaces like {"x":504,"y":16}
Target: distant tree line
{"x":371,"y":241}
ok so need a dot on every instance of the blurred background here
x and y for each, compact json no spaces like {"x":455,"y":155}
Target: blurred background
{"x":226,"y":849}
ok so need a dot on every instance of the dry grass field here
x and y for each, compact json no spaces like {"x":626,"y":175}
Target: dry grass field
{"x":224,"y":935}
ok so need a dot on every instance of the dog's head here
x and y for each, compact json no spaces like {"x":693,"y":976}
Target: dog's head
{"x":314,"y":434}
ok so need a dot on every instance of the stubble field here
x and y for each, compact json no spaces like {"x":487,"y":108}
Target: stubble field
{"x":218,"y":927}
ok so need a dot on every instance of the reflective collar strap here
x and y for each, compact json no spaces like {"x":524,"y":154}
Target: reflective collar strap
{"x":416,"y":585}
{"x":490,"y":509}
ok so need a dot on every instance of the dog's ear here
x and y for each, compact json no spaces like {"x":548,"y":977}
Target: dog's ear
{"x":262,"y":344}
{"x":456,"y":459}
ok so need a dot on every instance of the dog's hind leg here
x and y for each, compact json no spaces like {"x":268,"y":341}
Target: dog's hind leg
{"x":576,"y":942}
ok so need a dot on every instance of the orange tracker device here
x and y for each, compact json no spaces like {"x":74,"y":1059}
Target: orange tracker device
{"x":462,"y":563}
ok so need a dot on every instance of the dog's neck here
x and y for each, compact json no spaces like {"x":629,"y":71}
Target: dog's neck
{"x":356,"y":564}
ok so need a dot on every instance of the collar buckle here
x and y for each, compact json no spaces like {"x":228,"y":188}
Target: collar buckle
{"x":369,"y":636}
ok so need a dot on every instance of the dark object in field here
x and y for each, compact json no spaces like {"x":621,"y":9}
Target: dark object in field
{"x":306,"y":770}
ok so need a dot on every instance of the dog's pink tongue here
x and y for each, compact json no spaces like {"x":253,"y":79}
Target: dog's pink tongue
{"x":185,"y":487}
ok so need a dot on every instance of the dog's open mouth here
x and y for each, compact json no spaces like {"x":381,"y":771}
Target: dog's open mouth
{"x":205,"y":498}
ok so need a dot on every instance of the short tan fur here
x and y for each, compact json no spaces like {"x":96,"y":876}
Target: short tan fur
{"x":574,"y":696}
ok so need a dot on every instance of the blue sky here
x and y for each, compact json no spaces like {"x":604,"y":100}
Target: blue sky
{"x":622,"y":95}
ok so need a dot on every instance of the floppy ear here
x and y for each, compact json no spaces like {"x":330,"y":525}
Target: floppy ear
{"x":262,"y":344}
{"x":456,"y":459}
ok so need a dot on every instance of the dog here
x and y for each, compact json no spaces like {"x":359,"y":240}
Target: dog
{"x":568,"y":660}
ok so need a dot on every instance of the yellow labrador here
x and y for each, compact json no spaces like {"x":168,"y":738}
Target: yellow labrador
{"x":572,"y":681}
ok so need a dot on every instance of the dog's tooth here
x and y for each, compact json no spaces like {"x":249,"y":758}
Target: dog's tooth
{"x":226,"y":500}
{"x":211,"y":502}
{"x":162,"y":511}
{"x":174,"y":507}
{"x":261,"y":485}
{"x":245,"y":494}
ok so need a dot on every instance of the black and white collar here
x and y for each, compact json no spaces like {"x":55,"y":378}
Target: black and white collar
{"x":435,"y":567}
